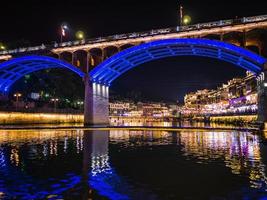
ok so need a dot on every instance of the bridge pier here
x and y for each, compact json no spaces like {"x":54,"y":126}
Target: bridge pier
{"x":262,"y":97}
{"x":96,"y":103}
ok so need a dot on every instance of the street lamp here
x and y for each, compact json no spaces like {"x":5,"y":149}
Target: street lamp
{"x":79,"y":103}
{"x":181,"y":15}
{"x":55,"y":100}
{"x":63,"y":29}
{"x":17,"y":95}
{"x":2,"y":46}
{"x":80,"y":35}
{"x":186,"y":20}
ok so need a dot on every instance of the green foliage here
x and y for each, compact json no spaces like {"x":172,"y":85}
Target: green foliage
{"x":52,"y":83}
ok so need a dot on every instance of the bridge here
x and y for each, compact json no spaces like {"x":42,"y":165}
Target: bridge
{"x":99,"y":61}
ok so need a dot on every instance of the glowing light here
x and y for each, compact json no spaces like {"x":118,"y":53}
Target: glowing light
{"x":186,"y":20}
{"x":222,"y":26}
{"x":29,"y":64}
{"x":5,"y":57}
{"x":98,"y":89}
{"x":37,"y":118}
{"x":14,"y":157}
{"x":103,"y":90}
{"x":64,"y":27}
{"x":80,"y":35}
{"x":127,"y":59}
{"x":17,"y":95}
{"x":54,"y":100}
{"x":2,"y":47}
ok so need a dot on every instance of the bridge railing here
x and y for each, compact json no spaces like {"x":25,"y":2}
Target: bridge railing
{"x":177,"y":29}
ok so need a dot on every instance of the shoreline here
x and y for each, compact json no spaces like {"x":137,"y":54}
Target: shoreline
{"x":130,"y":128}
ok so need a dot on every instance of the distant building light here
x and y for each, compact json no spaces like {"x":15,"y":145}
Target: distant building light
{"x":34,"y":95}
{"x":265,"y":84}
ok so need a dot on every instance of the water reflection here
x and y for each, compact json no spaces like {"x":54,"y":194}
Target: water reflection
{"x":240,"y":152}
{"x":179,"y":124}
{"x":77,"y":164}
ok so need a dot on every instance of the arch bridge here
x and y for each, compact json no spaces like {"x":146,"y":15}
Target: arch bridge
{"x":100,"y":61}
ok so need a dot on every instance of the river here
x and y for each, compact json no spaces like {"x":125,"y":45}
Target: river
{"x":123,"y":164}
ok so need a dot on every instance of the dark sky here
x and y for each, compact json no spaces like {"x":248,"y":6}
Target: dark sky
{"x":37,"y":21}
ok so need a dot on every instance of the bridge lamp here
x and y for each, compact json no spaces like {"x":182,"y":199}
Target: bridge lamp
{"x":186,"y":20}
{"x":2,"y":47}
{"x":63,"y":28}
{"x":80,"y":35}
{"x":17,"y":95}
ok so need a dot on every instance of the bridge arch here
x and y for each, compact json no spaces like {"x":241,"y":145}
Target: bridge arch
{"x":97,"y":89}
{"x":13,"y":70}
{"x":127,"y":59}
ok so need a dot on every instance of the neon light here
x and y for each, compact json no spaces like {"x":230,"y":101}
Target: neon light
{"x":123,"y":61}
{"x":14,"y":69}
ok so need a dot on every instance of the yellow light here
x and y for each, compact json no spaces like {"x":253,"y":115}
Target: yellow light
{"x":17,"y":95}
{"x":5,"y":57}
{"x":2,"y":47}
{"x":186,"y":19}
{"x":54,"y":99}
{"x":80,"y":35}
{"x":189,"y":33}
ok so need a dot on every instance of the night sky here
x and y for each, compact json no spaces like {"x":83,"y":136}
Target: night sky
{"x":37,"y":22}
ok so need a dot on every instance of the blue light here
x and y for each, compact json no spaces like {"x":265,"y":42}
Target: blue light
{"x":16,"y":68}
{"x":2,"y":159}
{"x":123,"y":61}
{"x":108,"y":184}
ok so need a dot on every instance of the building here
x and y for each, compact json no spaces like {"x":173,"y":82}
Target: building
{"x":142,"y":109}
{"x":237,"y":95}
{"x":119,"y":108}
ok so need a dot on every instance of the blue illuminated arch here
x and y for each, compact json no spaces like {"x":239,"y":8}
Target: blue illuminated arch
{"x":125,"y":60}
{"x":12,"y":70}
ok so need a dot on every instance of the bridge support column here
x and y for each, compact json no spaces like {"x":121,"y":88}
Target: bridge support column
{"x":96,"y":103}
{"x":262,"y":97}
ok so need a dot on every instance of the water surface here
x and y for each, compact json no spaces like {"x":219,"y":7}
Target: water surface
{"x":117,"y":164}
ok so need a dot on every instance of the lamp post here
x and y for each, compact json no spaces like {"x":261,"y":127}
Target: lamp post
{"x":55,"y":100}
{"x":80,"y":103}
{"x":63,"y":29}
{"x":17,"y":95}
{"x":181,"y":15}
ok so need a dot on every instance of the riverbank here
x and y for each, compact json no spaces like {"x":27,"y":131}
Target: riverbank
{"x":126,"y":128}
{"x":19,"y":118}
{"x":231,"y":120}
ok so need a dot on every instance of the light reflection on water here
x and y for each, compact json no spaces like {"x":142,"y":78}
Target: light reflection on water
{"x":77,"y":164}
{"x":239,"y":150}
{"x":183,"y":124}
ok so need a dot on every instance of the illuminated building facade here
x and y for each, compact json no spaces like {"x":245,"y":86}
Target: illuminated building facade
{"x":119,"y":108}
{"x":141,"y":109}
{"x":239,"y":95}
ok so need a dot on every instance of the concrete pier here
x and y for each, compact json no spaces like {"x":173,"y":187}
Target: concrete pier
{"x":96,"y":103}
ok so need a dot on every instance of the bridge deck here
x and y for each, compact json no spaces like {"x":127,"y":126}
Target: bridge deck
{"x":196,"y":30}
